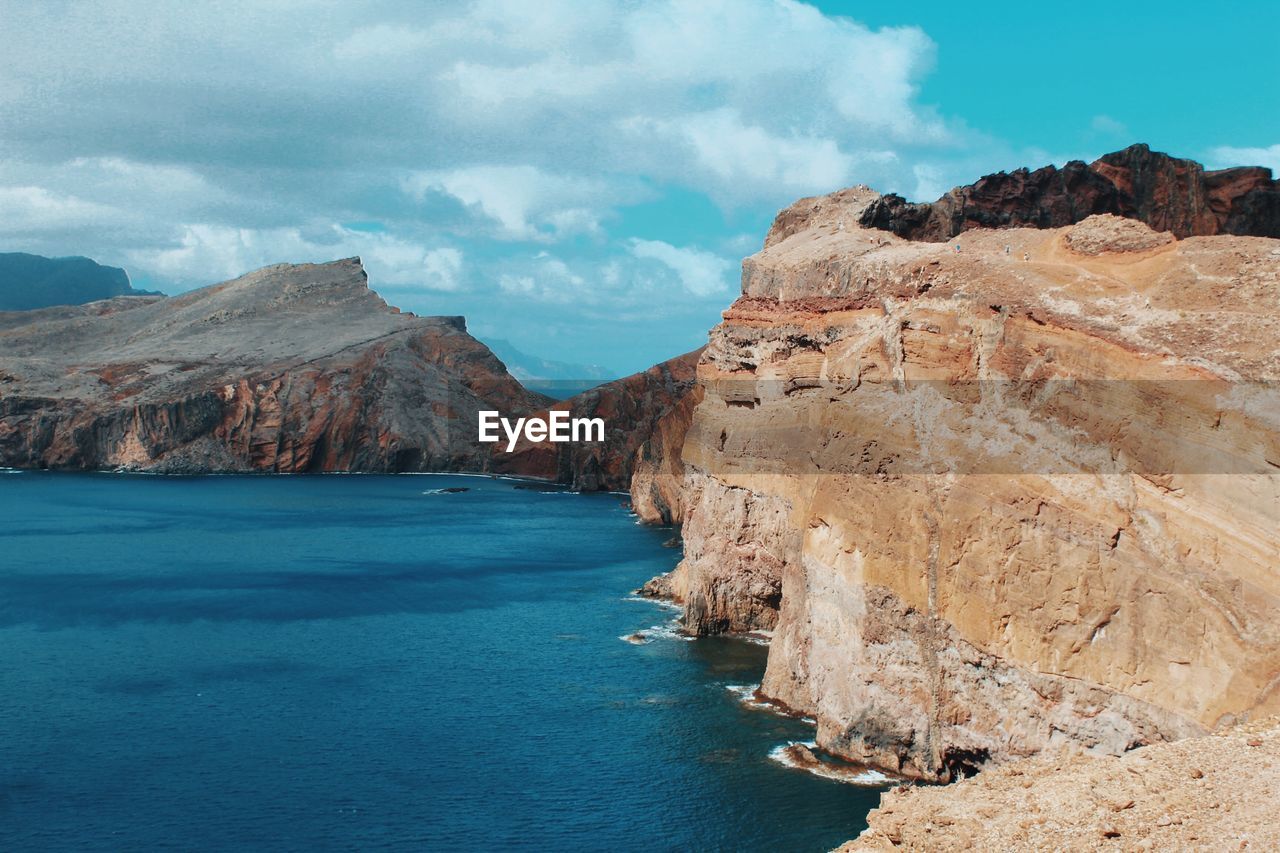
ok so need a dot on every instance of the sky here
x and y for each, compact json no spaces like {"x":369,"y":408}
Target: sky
{"x":581,"y":179}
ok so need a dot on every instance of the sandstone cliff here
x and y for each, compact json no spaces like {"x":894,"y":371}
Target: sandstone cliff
{"x":287,"y":369}
{"x":1167,"y":193}
{"x":646,"y":416}
{"x":990,"y":506}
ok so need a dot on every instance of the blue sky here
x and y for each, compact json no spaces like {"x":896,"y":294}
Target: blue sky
{"x":581,"y":179}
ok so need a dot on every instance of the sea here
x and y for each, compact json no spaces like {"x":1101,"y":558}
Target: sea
{"x":360,"y":662}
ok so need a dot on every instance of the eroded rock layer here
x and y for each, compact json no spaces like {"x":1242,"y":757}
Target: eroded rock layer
{"x":287,"y":369}
{"x":999,"y":501}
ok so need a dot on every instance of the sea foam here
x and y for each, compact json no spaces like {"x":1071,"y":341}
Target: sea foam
{"x":789,"y":755}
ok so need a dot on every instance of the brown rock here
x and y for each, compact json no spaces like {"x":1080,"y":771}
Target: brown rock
{"x":989,"y":507}
{"x":1167,"y":193}
{"x":1166,"y":815}
{"x":646,"y":416}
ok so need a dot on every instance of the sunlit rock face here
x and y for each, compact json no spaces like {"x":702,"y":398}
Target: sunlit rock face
{"x":993,"y":500}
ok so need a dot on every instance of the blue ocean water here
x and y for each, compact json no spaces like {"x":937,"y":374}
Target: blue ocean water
{"x":365,"y":662}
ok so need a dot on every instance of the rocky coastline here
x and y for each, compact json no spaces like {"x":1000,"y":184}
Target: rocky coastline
{"x":998,"y":499}
{"x":998,"y":476}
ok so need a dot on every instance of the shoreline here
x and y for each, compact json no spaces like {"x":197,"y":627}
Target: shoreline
{"x":130,"y":472}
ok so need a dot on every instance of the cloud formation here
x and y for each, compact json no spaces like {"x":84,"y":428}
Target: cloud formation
{"x":544,"y":154}
{"x":1225,"y":156}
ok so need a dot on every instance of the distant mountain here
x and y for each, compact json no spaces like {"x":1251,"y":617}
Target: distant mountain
{"x":292,"y":368}
{"x":558,"y":379}
{"x":33,"y":281}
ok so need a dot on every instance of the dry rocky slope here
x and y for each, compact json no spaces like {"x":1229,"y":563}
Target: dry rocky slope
{"x":1217,"y":792}
{"x":990,"y":506}
{"x":287,"y":369}
{"x":646,"y":417}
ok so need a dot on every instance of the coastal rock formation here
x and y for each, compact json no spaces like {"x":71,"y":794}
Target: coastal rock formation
{"x":990,"y":506}
{"x":1167,"y":193}
{"x":657,"y":469}
{"x":33,"y":281}
{"x":287,"y":369}
{"x":1217,"y":792}
{"x":646,"y":416}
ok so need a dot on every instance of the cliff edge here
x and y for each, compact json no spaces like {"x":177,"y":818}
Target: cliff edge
{"x":1014,"y":497}
{"x":1168,"y":193}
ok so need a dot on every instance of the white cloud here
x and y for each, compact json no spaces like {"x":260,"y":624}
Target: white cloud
{"x":701,"y":273}
{"x":204,"y":254}
{"x":1225,"y":156}
{"x":525,"y":202}
{"x":1108,"y":126}
{"x":447,"y":144}
{"x":546,"y":278}
{"x":738,"y":156}
{"x":442,"y":267}
{"x":27,"y":209}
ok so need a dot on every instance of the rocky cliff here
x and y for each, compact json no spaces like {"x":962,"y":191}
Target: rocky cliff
{"x":287,"y":369}
{"x":996,"y":501}
{"x":646,"y":416}
{"x":1167,"y":193}
{"x":1217,"y":792}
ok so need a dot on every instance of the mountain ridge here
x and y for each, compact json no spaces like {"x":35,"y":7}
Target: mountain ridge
{"x":289,"y":368}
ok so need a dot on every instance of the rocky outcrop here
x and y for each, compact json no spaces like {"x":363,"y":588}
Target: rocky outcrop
{"x":657,"y":469}
{"x":1167,"y":193}
{"x":287,"y":369}
{"x":1207,"y":793}
{"x":32,"y":281}
{"x":646,"y":416}
{"x":990,"y":503}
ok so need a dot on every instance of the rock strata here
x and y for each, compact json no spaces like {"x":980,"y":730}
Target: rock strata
{"x":287,"y":369}
{"x":1013,"y":499}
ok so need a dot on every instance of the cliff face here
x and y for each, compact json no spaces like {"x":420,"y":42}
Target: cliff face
{"x":1167,"y":193}
{"x":646,"y":416}
{"x":989,"y":506}
{"x":32,"y":281}
{"x":287,"y":369}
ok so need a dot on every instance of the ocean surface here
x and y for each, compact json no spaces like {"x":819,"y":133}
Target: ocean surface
{"x":370,"y":663}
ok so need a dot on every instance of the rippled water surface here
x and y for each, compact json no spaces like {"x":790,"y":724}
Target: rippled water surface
{"x":366,"y":662}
